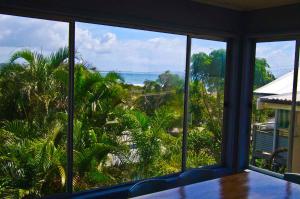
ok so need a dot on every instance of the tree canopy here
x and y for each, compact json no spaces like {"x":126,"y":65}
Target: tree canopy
{"x":262,"y":74}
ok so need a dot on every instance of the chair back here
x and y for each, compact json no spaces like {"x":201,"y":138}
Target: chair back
{"x":148,"y":186}
{"x":195,"y":175}
{"x":292,"y":177}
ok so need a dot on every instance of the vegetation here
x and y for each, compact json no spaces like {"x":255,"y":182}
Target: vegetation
{"x":262,"y":76}
{"x":121,"y":132}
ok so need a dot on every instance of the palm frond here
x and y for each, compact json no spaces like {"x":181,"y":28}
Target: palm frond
{"x":58,"y":57}
{"x":19,"y":128}
{"x":25,"y":54}
{"x":114,"y":77}
{"x":45,"y":149}
{"x":61,"y":75}
{"x":7,"y":137}
{"x":62,"y":174}
{"x":83,"y":159}
{"x":32,"y":58}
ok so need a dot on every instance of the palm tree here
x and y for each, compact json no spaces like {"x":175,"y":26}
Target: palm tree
{"x":33,"y":126}
{"x":33,"y":121}
{"x":43,"y":77}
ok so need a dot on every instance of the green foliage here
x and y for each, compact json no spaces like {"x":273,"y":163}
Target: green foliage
{"x":203,"y":149}
{"x":207,"y":95}
{"x":167,"y":90}
{"x":121,"y":132}
{"x":33,"y":105}
{"x":209,"y":69}
{"x":168,"y":81}
{"x":262,"y":74}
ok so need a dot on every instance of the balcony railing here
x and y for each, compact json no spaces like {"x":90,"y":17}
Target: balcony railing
{"x":270,"y":144}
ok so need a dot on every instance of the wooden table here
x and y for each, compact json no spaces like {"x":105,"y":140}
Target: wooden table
{"x":248,"y":184}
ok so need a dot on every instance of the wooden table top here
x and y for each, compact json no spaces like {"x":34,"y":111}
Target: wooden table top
{"x":248,"y":184}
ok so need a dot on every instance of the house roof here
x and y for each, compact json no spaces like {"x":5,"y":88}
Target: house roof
{"x":285,"y":98}
{"x":280,"y":86}
{"x":278,"y":93}
{"x":282,"y":101}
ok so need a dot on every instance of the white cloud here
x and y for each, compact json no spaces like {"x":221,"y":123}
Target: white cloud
{"x":87,"y":42}
{"x":197,"y":49}
{"x":101,"y":48}
{"x":4,"y":33}
{"x":105,"y":48}
{"x":32,"y":33}
{"x":107,"y":52}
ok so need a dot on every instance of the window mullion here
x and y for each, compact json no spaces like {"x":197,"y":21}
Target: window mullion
{"x":186,"y":98}
{"x":70,"y":107}
{"x":293,"y":110}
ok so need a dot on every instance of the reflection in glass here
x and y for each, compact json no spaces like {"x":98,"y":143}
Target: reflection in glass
{"x":295,"y":160}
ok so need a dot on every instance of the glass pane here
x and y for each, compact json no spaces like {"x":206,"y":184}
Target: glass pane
{"x":272,"y":94}
{"x":128,"y":105}
{"x":295,"y":166}
{"x":206,"y":99}
{"x":33,"y":106}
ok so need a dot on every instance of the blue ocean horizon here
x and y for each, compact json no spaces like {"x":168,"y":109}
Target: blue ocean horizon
{"x":138,"y":78}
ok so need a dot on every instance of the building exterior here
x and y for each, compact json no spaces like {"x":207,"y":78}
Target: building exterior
{"x":272,"y":137}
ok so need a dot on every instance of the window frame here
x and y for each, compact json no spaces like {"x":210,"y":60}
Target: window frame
{"x":227,"y":42}
{"x":262,"y":38}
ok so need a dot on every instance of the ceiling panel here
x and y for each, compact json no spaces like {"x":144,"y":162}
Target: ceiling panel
{"x":248,"y":4}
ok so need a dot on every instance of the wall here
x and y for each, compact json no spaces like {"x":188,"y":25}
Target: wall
{"x":281,"y":21}
{"x":180,"y":16}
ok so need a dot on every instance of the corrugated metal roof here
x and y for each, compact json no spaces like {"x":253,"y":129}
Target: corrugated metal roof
{"x":281,"y":85}
{"x":285,"y":98}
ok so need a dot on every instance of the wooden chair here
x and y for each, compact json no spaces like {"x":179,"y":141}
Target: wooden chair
{"x":292,"y":177}
{"x":148,"y":186}
{"x":195,"y":175}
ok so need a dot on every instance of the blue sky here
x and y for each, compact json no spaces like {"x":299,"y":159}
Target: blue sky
{"x":279,"y":55}
{"x":121,"y":49}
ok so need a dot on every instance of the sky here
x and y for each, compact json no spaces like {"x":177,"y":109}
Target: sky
{"x":279,"y":55}
{"x":120,"y":49}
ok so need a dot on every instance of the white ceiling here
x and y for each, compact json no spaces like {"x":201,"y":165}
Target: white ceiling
{"x":248,"y":4}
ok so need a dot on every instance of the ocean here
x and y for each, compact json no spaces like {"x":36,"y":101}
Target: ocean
{"x":138,"y":78}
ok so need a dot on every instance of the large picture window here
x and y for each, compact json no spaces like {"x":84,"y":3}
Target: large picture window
{"x":33,"y":106}
{"x":128,"y":110}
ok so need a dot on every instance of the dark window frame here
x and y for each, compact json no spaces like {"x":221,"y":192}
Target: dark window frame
{"x":264,"y":38}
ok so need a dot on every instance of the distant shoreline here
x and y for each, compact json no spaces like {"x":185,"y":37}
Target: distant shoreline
{"x":138,"y":78}
{"x":143,"y":72}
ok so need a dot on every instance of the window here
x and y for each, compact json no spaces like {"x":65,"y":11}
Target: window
{"x":206,"y":98}
{"x":129,"y":88}
{"x":33,"y":106}
{"x":294,"y":162}
{"x":272,"y":103}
